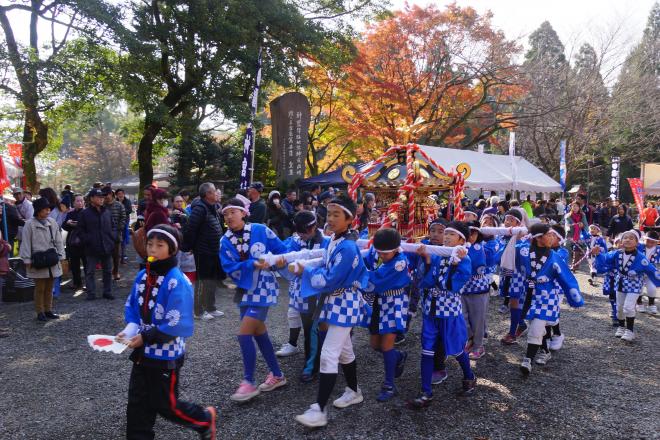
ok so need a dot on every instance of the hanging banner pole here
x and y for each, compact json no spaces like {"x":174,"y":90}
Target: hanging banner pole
{"x":247,"y":164}
{"x":614,"y":180}
{"x":512,"y":156}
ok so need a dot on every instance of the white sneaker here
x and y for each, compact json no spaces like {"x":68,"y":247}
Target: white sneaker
{"x":313,"y":417}
{"x":217,"y":313}
{"x":653,"y":310}
{"x":556,"y":342}
{"x":620,"y":331}
{"x":542,"y":357}
{"x":526,"y":365}
{"x":349,"y":398}
{"x":628,"y":336}
{"x":641,"y":308}
{"x":206,"y":316}
{"x":287,"y":350}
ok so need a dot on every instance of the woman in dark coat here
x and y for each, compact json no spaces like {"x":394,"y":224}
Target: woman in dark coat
{"x":620,"y":223}
{"x":276,"y":216}
{"x":75,"y":251}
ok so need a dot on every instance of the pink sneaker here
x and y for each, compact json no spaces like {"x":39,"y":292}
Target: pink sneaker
{"x":272,"y":382}
{"x":477,"y":353}
{"x":245,"y":392}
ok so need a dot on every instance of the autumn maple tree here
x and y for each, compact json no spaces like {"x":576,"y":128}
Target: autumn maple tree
{"x":436,"y":77}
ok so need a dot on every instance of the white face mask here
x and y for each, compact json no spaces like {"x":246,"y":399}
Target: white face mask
{"x":165,"y":203}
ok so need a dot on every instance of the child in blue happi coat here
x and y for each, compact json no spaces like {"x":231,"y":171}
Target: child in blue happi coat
{"x":609,"y":282}
{"x":388,"y":285}
{"x":492,"y":245}
{"x":556,"y":242}
{"x":301,"y":310}
{"x":512,"y":286}
{"x":339,"y":282}
{"x":651,"y":249}
{"x":595,"y":239}
{"x":159,"y":318}
{"x":443,"y":318}
{"x":544,"y":271}
{"x":631,"y":265}
{"x":435,"y":238}
{"x":240,"y":249}
{"x":474,"y":296}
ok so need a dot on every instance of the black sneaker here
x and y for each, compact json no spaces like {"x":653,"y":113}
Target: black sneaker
{"x":421,"y":401}
{"x":41,"y":317}
{"x":209,"y":433}
{"x":399,"y":339}
{"x":51,"y":315}
{"x":108,"y":296}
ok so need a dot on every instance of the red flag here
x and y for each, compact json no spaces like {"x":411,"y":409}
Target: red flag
{"x":16,"y":153}
{"x":4,"y":180}
{"x":638,"y":193}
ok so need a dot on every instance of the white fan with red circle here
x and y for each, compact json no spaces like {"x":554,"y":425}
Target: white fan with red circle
{"x":106,"y":343}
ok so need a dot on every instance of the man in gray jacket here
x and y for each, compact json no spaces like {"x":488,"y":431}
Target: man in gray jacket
{"x":118,"y":214}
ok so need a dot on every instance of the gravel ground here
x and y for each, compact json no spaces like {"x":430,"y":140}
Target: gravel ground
{"x":53,"y":386}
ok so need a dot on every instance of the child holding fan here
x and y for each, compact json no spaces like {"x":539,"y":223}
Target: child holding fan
{"x":159,"y":318}
{"x":240,"y":249}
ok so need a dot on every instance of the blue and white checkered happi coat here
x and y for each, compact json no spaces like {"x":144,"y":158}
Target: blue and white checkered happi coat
{"x":476,"y":284}
{"x":265,"y":292}
{"x":630,"y":276}
{"x":545,"y":305}
{"x":169,"y":308}
{"x":609,"y":281}
{"x":516,"y":287}
{"x":393,"y":312}
{"x":170,"y":350}
{"x":447,"y":304}
{"x":296,"y":301}
{"x":343,"y":308}
{"x":553,"y":272}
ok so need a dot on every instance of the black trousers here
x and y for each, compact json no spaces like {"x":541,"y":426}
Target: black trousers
{"x":74,"y":265}
{"x":153,"y":391}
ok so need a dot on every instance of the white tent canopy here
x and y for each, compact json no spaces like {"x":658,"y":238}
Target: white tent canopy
{"x":494,"y":171}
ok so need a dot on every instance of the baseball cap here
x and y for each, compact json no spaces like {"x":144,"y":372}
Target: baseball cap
{"x":95,"y":192}
{"x":257,"y":185}
{"x":16,"y":190}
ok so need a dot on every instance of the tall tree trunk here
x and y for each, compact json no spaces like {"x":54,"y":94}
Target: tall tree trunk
{"x":35,"y":140}
{"x":145,"y":152}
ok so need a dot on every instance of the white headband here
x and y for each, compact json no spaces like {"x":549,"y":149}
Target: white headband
{"x":631,"y":231}
{"x":513,"y":217}
{"x":456,"y":231}
{"x":165,"y":233}
{"x":470,"y":212}
{"x":244,"y":200}
{"x":389,"y":250}
{"x":346,"y":210}
{"x":240,"y":208}
{"x":561,"y":239}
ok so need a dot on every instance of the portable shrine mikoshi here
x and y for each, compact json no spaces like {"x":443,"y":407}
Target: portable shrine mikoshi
{"x":402,"y":180}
